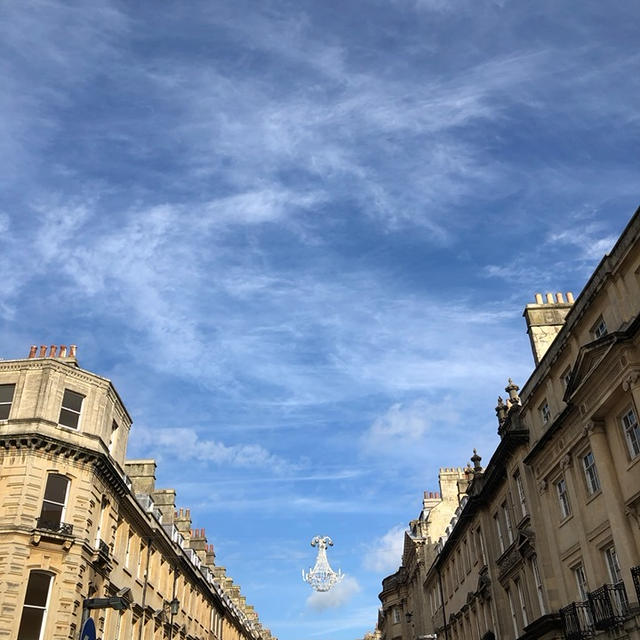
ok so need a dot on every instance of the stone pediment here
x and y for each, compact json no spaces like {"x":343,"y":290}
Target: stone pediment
{"x":589,"y":356}
{"x":525,"y":542}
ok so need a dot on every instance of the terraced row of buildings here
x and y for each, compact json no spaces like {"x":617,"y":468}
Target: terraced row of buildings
{"x":85,"y":533}
{"x":544,"y":541}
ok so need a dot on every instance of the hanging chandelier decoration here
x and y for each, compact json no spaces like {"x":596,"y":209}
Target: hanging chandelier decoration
{"x":322,"y":577}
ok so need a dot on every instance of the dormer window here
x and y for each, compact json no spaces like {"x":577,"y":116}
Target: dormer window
{"x":71,"y":407}
{"x":599,"y":328}
{"x":545,"y":412}
{"x":6,"y":399}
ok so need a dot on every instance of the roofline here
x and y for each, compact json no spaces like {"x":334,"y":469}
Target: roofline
{"x":605,"y":266}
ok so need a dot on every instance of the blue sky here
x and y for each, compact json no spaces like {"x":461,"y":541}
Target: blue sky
{"x":299,"y":236}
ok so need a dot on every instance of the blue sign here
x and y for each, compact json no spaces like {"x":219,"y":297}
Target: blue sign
{"x":88,"y":630}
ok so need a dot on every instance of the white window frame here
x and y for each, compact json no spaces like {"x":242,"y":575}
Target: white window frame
{"x":599,"y":328}
{"x":44,"y":609}
{"x":103,"y":508}
{"x":613,"y":564}
{"x":395,"y":615}
{"x":522,"y":498}
{"x":631,"y":431}
{"x":112,"y":438}
{"x":9,"y":403}
{"x":514,"y":617}
{"x":563,"y":497}
{"x":545,"y":411}
{"x":523,"y":603}
{"x":507,"y":520}
{"x":127,"y":551}
{"x":483,"y":555}
{"x":70,"y":410}
{"x":538,"y":581}
{"x":581,"y":581}
{"x":565,"y":376}
{"x":590,"y":473}
{"x":60,"y":504}
{"x":496,"y":519}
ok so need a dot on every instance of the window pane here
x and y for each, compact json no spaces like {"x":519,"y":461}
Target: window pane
{"x":56,"y":488}
{"x":69,"y":419}
{"x":51,"y":513}
{"x":37,"y":589}
{"x":72,"y":400}
{"x":30,"y":624}
{"x":6,"y":392}
{"x":4,"y":411}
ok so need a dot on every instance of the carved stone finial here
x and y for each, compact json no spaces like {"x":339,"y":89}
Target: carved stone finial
{"x":475,"y":458}
{"x":565,"y":462}
{"x":512,"y":389}
{"x":542,"y":486}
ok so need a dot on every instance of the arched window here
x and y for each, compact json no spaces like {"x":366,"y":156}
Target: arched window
{"x":54,"y":502}
{"x":34,"y":610}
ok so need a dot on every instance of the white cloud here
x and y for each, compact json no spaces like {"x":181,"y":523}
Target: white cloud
{"x":185,"y":444}
{"x":385,"y":553}
{"x":406,"y":426}
{"x":589,"y":240}
{"x":336,"y":597}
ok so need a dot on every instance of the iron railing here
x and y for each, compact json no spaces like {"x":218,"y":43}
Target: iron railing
{"x":635,"y":574}
{"x":576,"y":621}
{"x":609,"y":605}
{"x":55,"y":526}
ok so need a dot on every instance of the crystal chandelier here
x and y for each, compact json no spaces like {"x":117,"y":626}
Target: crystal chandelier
{"x":322,"y":577}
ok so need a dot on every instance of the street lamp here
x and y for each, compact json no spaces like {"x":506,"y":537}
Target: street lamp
{"x":174,"y":607}
{"x":119,"y":602}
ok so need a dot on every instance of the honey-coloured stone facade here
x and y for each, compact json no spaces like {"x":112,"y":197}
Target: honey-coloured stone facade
{"x":78,"y":517}
{"x":545,"y":541}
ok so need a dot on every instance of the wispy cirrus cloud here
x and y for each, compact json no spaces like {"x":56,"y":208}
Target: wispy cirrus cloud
{"x":185,"y":445}
{"x":299,"y":237}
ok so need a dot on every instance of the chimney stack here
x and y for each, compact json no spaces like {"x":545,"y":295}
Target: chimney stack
{"x":544,"y":321}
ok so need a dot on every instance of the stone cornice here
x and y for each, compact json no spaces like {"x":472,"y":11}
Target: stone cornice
{"x":39,"y":442}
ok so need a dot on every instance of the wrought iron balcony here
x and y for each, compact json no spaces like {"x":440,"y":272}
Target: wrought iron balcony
{"x":577,"y":622}
{"x":609,"y":605}
{"x":54,"y":526}
{"x":635,"y":574}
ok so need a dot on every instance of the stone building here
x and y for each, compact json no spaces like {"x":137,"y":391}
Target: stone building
{"x":545,"y":542}
{"x":403,"y":599}
{"x":81,"y":527}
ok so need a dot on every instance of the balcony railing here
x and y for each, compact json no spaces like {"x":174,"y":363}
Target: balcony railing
{"x":609,"y":605}
{"x":635,"y":574}
{"x":102,"y":553}
{"x":576,"y":621}
{"x":54,"y":526}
